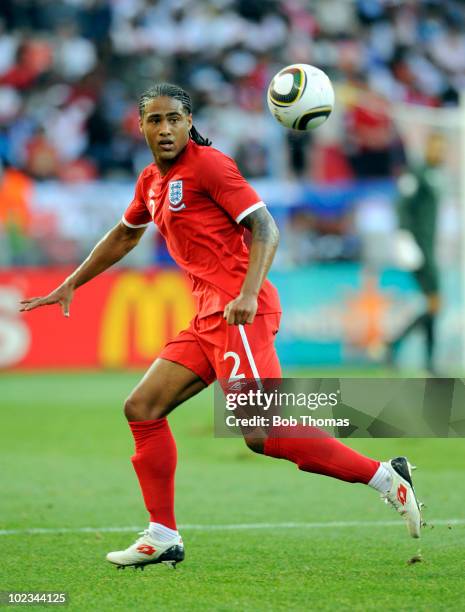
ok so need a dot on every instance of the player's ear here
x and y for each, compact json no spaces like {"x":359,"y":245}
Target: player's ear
{"x":189,"y":120}
{"x":141,"y":130}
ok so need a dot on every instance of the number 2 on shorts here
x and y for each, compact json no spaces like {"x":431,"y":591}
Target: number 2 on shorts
{"x":237,"y":363}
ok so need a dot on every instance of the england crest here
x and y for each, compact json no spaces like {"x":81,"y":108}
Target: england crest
{"x":175,"y":195}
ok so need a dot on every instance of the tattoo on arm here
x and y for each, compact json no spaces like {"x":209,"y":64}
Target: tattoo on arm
{"x":262,"y":226}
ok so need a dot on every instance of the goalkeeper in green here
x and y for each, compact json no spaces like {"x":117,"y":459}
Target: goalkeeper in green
{"x":419,"y":189}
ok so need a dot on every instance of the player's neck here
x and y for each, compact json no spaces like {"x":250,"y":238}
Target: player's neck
{"x":165,"y":165}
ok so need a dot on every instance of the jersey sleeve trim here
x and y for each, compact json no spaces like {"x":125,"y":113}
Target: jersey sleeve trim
{"x":134,"y":226}
{"x":249,"y":210}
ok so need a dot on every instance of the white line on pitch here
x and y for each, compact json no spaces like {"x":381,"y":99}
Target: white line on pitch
{"x":230,"y":527}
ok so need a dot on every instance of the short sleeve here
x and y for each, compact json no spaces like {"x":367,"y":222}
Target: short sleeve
{"x":221,"y":179}
{"x":137,"y":213}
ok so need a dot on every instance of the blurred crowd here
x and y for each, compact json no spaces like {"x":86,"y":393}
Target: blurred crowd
{"x":71,"y":72}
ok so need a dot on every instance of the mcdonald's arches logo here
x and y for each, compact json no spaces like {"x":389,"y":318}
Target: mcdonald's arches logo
{"x":141,"y":314}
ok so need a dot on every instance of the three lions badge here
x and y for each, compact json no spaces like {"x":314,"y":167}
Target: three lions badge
{"x":175,"y":196}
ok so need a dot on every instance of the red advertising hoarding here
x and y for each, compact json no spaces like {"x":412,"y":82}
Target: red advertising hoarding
{"x":120,"y":319}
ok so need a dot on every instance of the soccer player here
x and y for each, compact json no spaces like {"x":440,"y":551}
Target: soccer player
{"x":201,"y":205}
{"x":419,"y":189}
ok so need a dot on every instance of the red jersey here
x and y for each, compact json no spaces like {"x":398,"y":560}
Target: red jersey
{"x":197,"y":207}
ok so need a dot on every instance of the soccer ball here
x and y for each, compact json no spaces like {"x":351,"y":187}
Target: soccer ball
{"x":300,"y":97}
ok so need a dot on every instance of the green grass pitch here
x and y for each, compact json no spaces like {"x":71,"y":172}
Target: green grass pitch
{"x":65,"y":451}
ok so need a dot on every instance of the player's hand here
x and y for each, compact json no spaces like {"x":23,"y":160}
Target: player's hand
{"x":61,"y":295}
{"x":241,"y":310}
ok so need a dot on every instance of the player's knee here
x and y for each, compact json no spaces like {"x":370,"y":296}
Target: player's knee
{"x":255,"y":444}
{"x":134,"y":409}
{"x":434,"y":303}
{"x":138,"y":408}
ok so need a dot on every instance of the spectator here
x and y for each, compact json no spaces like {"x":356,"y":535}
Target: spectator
{"x":224,"y":52}
{"x":370,"y":133}
{"x":42,"y":159}
{"x":15,"y":215}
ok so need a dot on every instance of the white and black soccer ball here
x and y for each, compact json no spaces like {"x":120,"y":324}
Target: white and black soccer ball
{"x":300,"y":97}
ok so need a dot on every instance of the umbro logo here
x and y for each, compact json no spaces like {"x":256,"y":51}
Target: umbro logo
{"x":175,"y":196}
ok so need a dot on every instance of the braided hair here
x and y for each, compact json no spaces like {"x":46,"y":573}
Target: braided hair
{"x":176,"y":92}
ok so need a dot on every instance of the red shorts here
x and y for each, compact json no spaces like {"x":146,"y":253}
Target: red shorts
{"x":213,"y":349}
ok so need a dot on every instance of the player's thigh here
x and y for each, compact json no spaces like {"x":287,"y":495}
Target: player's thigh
{"x":181,"y":371}
{"x":165,"y":385}
{"x":248,"y":351}
{"x":250,"y":355}
{"x":428,"y":277}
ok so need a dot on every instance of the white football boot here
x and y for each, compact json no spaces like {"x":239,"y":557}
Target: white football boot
{"x":146,"y":550}
{"x":402,"y":496}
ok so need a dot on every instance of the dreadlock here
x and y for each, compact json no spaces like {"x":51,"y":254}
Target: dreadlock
{"x":172,"y":91}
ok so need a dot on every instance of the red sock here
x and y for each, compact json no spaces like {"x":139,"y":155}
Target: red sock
{"x":155,"y":464}
{"x":320,"y":454}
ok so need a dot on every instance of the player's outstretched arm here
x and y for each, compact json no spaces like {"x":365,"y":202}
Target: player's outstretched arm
{"x":110,"y":249}
{"x":265,"y":239}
